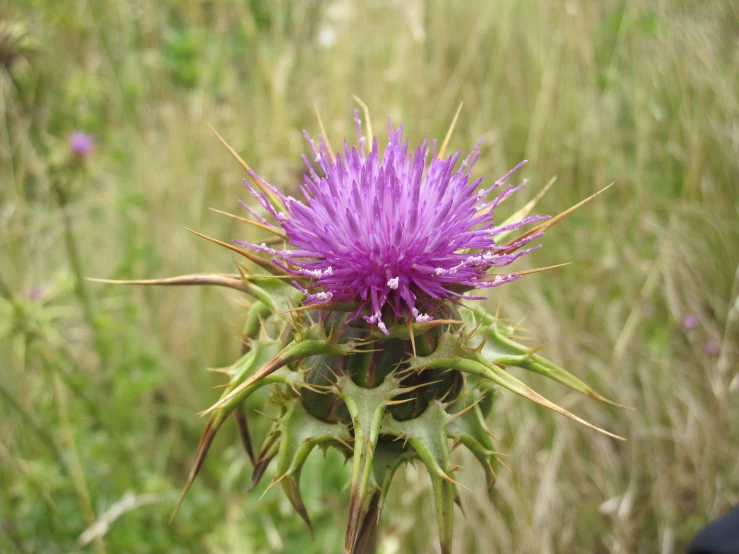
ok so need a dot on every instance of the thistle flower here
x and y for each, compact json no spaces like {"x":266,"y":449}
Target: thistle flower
{"x":690,"y":322}
{"x":396,"y":231}
{"x":366,"y":326}
{"x":81,"y":144}
{"x":34,"y":293}
{"x":712,"y":348}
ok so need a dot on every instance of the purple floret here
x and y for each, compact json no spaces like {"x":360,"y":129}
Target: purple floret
{"x":81,"y":144}
{"x":401,"y":230}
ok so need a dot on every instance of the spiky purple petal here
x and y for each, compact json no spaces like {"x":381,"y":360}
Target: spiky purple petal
{"x":396,"y":230}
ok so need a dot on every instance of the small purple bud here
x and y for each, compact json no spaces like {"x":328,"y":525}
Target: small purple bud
{"x":34,"y":293}
{"x":711,"y":348}
{"x":690,"y":322}
{"x":81,"y":144}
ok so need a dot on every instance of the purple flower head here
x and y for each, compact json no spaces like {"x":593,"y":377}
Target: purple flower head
{"x":81,"y":144}
{"x":394,"y":232}
{"x":712,"y":348}
{"x":690,"y":322}
{"x":35,"y":293}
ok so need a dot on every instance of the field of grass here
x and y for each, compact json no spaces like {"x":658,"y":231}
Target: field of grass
{"x":100,"y":385}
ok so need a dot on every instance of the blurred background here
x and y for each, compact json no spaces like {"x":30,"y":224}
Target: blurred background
{"x":100,"y":385}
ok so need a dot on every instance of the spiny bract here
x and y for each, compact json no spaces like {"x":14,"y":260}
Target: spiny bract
{"x":363,"y":323}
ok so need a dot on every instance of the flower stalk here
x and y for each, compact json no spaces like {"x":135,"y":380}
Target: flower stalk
{"x":80,"y":145}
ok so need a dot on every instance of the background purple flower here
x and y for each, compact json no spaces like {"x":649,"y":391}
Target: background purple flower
{"x":690,"y":322}
{"x":81,"y":143}
{"x":398,"y":230}
{"x":34,"y":293}
{"x":711,"y":348}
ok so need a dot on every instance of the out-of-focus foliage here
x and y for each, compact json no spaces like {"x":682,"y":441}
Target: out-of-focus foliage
{"x":98,"y":398}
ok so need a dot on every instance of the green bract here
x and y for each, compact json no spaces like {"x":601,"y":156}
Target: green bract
{"x":380,"y":400}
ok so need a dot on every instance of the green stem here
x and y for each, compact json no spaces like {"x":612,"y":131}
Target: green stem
{"x":5,"y":289}
{"x":39,"y":431}
{"x":75,"y":466}
{"x":76,"y":265}
{"x":101,"y":418}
